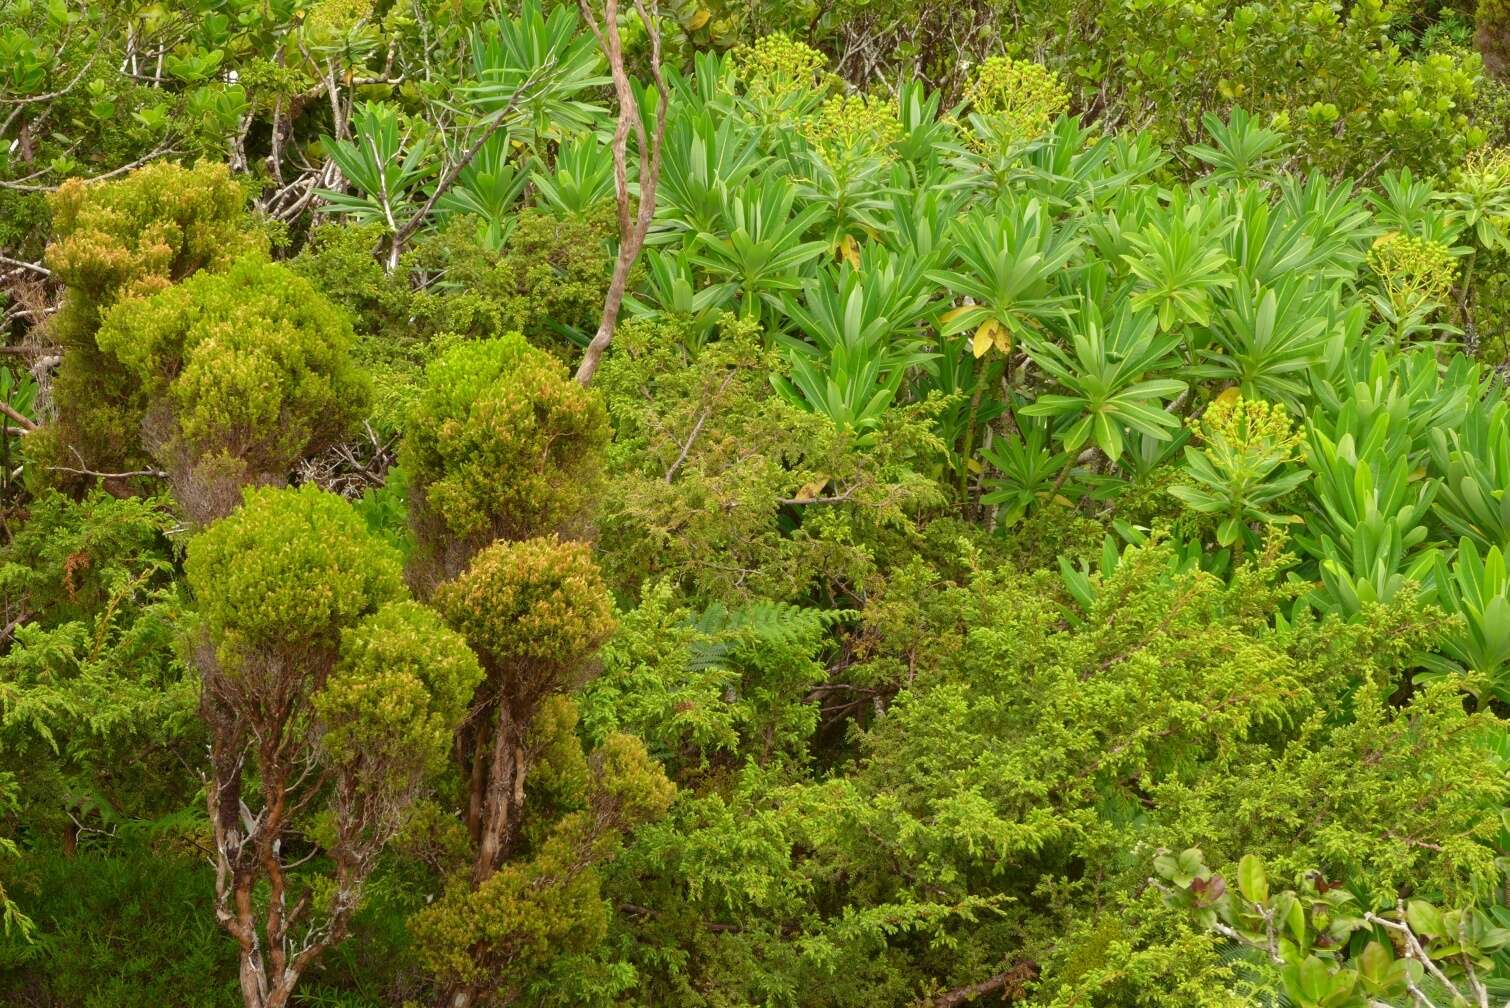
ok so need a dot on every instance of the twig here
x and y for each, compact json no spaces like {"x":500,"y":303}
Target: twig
{"x":158,"y":473}
{"x":837,"y":499}
{"x":163,"y":151}
{"x":1414,"y":950}
{"x":21,"y":103}
{"x":697,"y":428}
{"x":10,"y":627}
{"x":37,"y":268}
{"x":948,"y":999}
{"x":21,"y":418}
{"x":448,"y":179}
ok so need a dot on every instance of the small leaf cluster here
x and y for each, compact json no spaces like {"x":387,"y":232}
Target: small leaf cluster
{"x":401,"y":685}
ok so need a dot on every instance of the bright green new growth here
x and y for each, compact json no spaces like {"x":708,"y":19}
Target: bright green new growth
{"x":287,"y":572}
{"x":500,"y":445}
{"x":244,"y":373}
{"x":395,"y":697}
{"x":121,"y":240}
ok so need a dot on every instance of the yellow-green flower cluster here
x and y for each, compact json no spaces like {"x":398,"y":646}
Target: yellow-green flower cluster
{"x":777,"y":64}
{"x":1017,"y":98}
{"x":853,"y":124}
{"x":1486,"y":165}
{"x":1249,"y":426}
{"x":1412,"y":271}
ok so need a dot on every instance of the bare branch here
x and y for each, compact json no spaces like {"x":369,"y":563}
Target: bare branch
{"x":21,"y":418}
{"x":19,"y":264}
{"x":631,"y":235}
{"x":453,"y":172}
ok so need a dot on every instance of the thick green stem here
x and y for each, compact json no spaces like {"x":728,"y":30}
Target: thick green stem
{"x":969,"y":444}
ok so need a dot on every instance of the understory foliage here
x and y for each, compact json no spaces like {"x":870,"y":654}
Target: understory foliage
{"x":1037,"y":534}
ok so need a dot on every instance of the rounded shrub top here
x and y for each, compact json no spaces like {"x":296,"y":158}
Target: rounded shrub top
{"x":399,"y":688}
{"x":540,"y":604}
{"x":502,"y":443}
{"x":288,"y":570}
{"x":155,"y":226}
{"x":253,"y":362}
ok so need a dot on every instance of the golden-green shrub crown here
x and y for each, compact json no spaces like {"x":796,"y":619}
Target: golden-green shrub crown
{"x":253,"y":361}
{"x":1019,"y":97}
{"x":531,"y":911}
{"x":291,"y":568}
{"x":540,"y":602}
{"x":501,"y":440}
{"x":397,"y":693}
{"x":135,"y":235}
{"x":626,"y":776}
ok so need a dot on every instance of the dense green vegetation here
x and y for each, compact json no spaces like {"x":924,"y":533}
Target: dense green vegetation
{"x":765,"y":504}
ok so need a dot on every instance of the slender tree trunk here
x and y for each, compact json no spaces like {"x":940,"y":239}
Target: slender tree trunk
{"x":477,"y":780}
{"x":457,"y":997}
{"x":504,"y":798}
{"x":632,"y":229}
{"x":251,"y":981}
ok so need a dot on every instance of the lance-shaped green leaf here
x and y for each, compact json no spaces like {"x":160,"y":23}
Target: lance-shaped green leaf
{"x":1008,"y":262}
{"x":1106,"y":380}
{"x":1180,"y":261}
